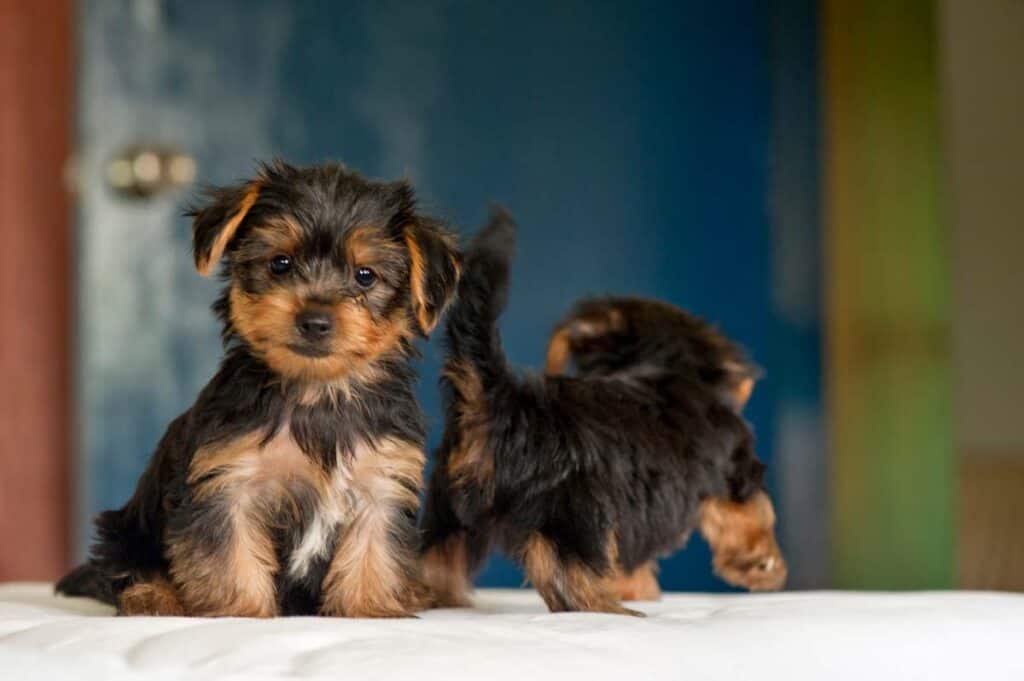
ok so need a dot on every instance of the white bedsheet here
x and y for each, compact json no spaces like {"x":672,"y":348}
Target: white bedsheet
{"x":511,"y":636}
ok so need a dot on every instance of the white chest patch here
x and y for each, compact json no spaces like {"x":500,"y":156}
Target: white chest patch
{"x":372,"y":480}
{"x":336,"y":506}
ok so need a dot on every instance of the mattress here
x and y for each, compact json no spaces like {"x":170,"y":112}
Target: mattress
{"x":510,"y":635}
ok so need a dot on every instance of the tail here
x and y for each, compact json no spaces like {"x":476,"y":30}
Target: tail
{"x":475,"y":366}
{"x":104,"y":575}
{"x":90,"y":580}
{"x":472,"y":335}
{"x":125,"y":548}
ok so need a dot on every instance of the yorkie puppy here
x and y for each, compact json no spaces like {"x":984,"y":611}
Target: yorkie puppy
{"x":585,"y":479}
{"x":291,"y":485}
{"x":626,"y":337}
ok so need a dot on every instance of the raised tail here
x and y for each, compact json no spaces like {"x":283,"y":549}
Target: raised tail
{"x":472,"y":335}
{"x":474,"y":367}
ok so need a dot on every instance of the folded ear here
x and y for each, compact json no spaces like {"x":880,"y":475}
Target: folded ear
{"x":215,"y":224}
{"x":580,"y":333}
{"x":740,"y":379}
{"x":434,"y":264}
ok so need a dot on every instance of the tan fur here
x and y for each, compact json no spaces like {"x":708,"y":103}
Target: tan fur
{"x":444,"y":570}
{"x":541,"y":562}
{"x":569,"y":585}
{"x":559,"y":353}
{"x":417,"y":281}
{"x":154,"y":598}
{"x":639,"y":585}
{"x":742,"y":538}
{"x":252,"y":481}
{"x":364,"y":247}
{"x":742,"y":391}
{"x":369,"y":575}
{"x":281,"y":233}
{"x":426,"y":317}
{"x":268,"y":323}
{"x":247,"y":467}
{"x":240,"y":586}
{"x":563,"y":341}
{"x":470,"y":460}
{"x":205,"y":265}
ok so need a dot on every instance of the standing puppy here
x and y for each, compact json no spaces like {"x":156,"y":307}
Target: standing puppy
{"x":291,"y":485}
{"x":584,"y":479}
{"x":624,"y":338}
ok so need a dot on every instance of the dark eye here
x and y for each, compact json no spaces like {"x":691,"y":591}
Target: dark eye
{"x":280,"y":264}
{"x":365,"y":277}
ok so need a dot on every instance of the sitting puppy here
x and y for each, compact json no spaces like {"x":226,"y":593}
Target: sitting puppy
{"x":291,"y":485}
{"x":622,"y":338}
{"x":583,"y":479}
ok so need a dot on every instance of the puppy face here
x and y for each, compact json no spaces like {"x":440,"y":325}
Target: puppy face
{"x":328,"y":272}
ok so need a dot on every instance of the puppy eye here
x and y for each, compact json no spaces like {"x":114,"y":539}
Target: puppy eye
{"x":365,"y":277}
{"x":280,"y":264}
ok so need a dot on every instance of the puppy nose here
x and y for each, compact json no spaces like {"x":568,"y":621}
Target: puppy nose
{"x":314,"y":325}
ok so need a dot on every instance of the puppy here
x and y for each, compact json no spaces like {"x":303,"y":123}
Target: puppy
{"x":291,"y":485}
{"x":583,"y":479}
{"x":624,"y":337}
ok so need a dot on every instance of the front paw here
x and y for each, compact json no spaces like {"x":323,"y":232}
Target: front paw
{"x":369,"y":611}
{"x":443,"y":585}
{"x":404,"y":601}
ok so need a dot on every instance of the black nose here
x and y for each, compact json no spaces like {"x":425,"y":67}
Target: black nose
{"x":314,"y":325}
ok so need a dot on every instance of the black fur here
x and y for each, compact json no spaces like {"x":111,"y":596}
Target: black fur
{"x":621,"y":336}
{"x":248,"y":396}
{"x":576,"y":459}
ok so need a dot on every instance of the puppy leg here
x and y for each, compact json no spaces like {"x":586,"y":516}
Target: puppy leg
{"x":742,"y":538}
{"x":452,"y":552}
{"x":448,"y":566}
{"x":372,"y":573}
{"x":568,"y":586}
{"x":157,"y":597}
{"x":639,"y":585}
{"x":224,"y":563}
{"x":445,"y":572}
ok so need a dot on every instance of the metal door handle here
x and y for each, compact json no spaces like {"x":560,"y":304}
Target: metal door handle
{"x":144,"y":171}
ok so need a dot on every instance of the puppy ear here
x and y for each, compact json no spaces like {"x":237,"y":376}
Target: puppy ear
{"x":215,"y":224}
{"x":584,"y":330}
{"x":559,"y":351}
{"x":740,"y":379}
{"x":434,"y":266}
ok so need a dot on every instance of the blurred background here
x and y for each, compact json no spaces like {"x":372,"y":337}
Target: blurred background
{"x":837,"y":185}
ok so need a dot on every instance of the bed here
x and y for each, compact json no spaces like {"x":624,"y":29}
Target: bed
{"x":510,"y":635}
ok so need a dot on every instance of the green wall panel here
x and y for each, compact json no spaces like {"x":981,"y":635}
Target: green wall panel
{"x":888,"y":300}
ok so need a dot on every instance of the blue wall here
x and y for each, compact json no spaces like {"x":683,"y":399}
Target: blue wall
{"x":633,"y":142}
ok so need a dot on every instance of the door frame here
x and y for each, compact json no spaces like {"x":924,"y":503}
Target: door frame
{"x":36,"y":105}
